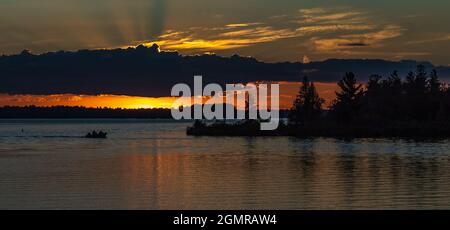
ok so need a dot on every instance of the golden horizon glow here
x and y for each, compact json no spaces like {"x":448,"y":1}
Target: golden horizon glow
{"x":288,"y":92}
{"x":89,"y":101}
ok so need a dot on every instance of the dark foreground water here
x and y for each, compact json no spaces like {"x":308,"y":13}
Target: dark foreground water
{"x":153,"y":165}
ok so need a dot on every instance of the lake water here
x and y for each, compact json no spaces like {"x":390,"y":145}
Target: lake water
{"x":148,"y":164}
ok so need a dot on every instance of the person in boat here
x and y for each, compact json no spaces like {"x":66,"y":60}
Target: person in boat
{"x":95,"y":134}
{"x":101,"y":134}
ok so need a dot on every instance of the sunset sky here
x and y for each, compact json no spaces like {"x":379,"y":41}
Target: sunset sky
{"x":271,"y":30}
{"x":288,"y":91}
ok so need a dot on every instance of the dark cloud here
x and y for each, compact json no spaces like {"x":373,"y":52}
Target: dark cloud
{"x":145,"y":71}
{"x":354,"y":44}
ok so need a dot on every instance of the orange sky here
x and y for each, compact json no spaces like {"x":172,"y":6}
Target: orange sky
{"x":288,"y":91}
{"x":350,"y":29}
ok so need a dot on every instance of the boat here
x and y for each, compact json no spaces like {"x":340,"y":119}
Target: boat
{"x":97,"y":135}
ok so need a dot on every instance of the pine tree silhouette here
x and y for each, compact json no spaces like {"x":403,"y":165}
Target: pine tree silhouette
{"x":307,"y":105}
{"x":348,"y":100}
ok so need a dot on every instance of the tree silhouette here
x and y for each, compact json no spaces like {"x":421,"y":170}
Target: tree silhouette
{"x":348,"y":101}
{"x":422,"y":95}
{"x":383,"y":99}
{"x":443,"y":113}
{"x":374,"y":98}
{"x":434,"y":85}
{"x":434,"y":95}
{"x":307,"y":105}
{"x":392,"y":97}
{"x":418,"y":106}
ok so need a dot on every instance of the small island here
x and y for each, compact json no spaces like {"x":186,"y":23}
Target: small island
{"x":416,"y":106}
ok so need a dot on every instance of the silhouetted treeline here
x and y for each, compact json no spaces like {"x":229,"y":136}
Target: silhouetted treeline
{"x":83,"y":112}
{"x":415,"y":106}
{"x":418,"y":97}
{"x":80,"y":112}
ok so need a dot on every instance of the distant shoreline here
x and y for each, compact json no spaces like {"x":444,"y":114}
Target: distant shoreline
{"x":68,"y":112}
{"x":77,"y":112}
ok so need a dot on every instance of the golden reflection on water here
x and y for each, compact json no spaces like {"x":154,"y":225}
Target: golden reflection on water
{"x":150,"y":165}
{"x":303,"y":179}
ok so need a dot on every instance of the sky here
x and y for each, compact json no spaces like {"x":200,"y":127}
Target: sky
{"x":270,"y":30}
{"x":288,"y":91}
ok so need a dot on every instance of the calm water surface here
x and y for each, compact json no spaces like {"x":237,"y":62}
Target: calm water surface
{"x":148,"y":164}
